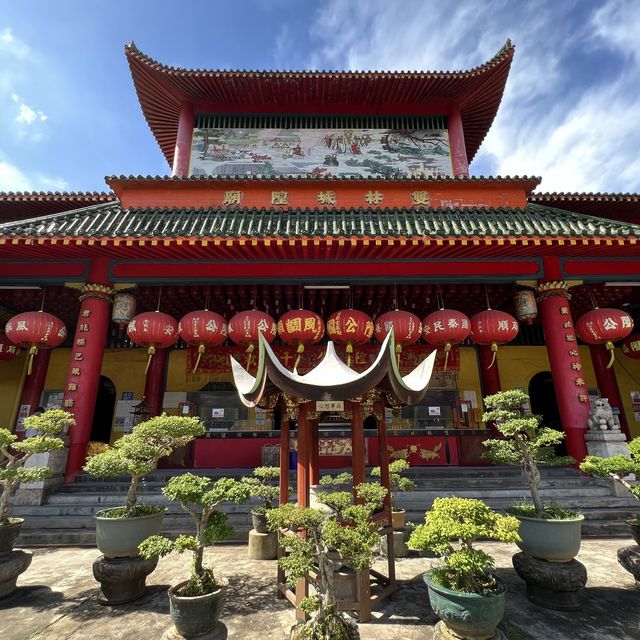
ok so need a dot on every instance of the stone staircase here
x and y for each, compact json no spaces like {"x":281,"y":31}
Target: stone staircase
{"x":67,"y":517}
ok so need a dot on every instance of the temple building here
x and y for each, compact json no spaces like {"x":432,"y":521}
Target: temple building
{"x":307,"y":207}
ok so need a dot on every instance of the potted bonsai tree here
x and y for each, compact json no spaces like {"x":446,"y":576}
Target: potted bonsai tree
{"x":262,"y":486}
{"x":617,"y":467}
{"x":47,"y":427}
{"x":397,"y":482}
{"x":196,"y":603}
{"x":463,"y":592}
{"x":119,"y":530}
{"x":341,"y":535}
{"x":547,"y":531}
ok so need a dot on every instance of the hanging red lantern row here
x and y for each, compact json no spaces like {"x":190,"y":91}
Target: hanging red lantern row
{"x":604,"y":326}
{"x":244,"y":329}
{"x":300,"y":327}
{"x":202,"y":329}
{"x":36,"y":330}
{"x":350,"y":327}
{"x":631,"y":346}
{"x":8,"y":350}
{"x":444,"y":328}
{"x":494,"y":328}
{"x":154,"y":330}
{"x":406,"y":326}
{"x":525,"y":306}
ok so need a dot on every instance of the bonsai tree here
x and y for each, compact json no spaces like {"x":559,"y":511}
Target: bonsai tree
{"x":526,"y":445}
{"x":47,"y":426}
{"x":262,"y":486}
{"x":347,"y":529}
{"x":138,"y":453}
{"x":617,"y":467}
{"x":200,"y":498}
{"x":397,"y":482}
{"x":449,"y":531}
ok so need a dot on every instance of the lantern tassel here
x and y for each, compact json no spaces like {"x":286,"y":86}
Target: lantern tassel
{"x":349,"y":352}
{"x":612,"y":350}
{"x":299,"y":351}
{"x":447,"y":351}
{"x":32,"y":353}
{"x":151,"y":351}
{"x":398,"y":352}
{"x":201,"y":349}
{"x":494,"y":348}
{"x":250,"y":349}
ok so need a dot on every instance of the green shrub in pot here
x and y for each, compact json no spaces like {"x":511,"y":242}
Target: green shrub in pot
{"x":397,"y":482}
{"x":119,"y":530}
{"x":264,"y":486}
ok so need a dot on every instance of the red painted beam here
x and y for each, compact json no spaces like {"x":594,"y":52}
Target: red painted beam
{"x":602,"y":268}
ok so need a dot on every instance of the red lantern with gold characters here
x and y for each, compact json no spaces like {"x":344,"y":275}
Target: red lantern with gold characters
{"x":36,"y":330}
{"x":300,"y":326}
{"x":444,"y":328}
{"x":604,"y":326}
{"x":202,"y":329}
{"x":492,"y":327}
{"x":350,"y":327}
{"x":631,"y":346}
{"x":245,"y":328}
{"x":8,"y":350}
{"x":154,"y":330}
{"x":406,"y":326}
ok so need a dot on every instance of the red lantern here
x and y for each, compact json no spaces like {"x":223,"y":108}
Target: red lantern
{"x":202,"y":329}
{"x":631,"y":346}
{"x":444,"y":328}
{"x":36,"y":330}
{"x":406,"y":328}
{"x":154,"y":330}
{"x":492,"y":327}
{"x":300,"y":327}
{"x":8,"y":350}
{"x":350,"y":327}
{"x":525,"y":305}
{"x":604,"y":326}
{"x":245,"y":329}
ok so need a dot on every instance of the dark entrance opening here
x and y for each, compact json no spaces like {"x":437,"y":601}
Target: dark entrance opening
{"x":103,"y":415}
{"x":544,"y":403}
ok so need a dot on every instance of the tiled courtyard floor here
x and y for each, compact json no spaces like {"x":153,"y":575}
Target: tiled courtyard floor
{"x":56,"y":601}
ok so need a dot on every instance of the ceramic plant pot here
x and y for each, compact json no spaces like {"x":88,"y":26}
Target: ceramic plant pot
{"x":8,"y":535}
{"x":120,"y":537}
{"x":551,"y":540}
{"x":259,"y":521}
{"x":398,"y":519}
{"x":468,"y":615}
{"x":195,"y":616}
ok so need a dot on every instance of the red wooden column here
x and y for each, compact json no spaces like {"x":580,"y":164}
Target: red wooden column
{"x":357,"y":448}
{"x":459,"y":161}
{"x":285,"y":441}
{"x":34,"y":383}
{"x":83,"y":374}
{"x":383,"y":452}
{"x":607,"y":382}
{"x":182,"y":152}
{"x":314,"y":454}
{"x":566,"y":364}
{"x":489,"y":380}
{"x":304,"y":445}
{"x":155,"y":382}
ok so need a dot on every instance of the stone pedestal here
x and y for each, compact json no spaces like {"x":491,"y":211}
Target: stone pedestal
{"x":263,"y":546}
{"x":605,"y":444}
{"x":552,"y":585}
{"x":122,"y":579}
{"x":11,"y":566}
{"x":442,"y":632}
{"x":400,"y":548}
{"x":629,"y":559}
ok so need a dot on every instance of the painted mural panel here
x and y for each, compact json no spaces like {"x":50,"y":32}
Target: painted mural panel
{"x":390,"y":153}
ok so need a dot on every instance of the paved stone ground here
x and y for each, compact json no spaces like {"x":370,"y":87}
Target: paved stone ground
{"x":56,"y":601}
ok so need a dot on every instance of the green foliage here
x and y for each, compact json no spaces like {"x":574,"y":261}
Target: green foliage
{"x":397,"y":482}
{"x":138,"y":452}
{"x":553,"y":510}
{"x":372,"y":494}
{"x":267,"y":473}
{"x":449,"y":531}
{"x":137,"y":511}
{"x":261,"y":486}
{"x":332,"y":625}
{"x":16,"y":453}
{"x":341,"y":480}
{"x":525,"y":443}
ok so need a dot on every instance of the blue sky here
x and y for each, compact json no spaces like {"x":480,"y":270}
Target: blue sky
{"x":69,"y":114}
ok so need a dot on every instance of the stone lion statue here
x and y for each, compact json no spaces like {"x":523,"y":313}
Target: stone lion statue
{"x":601,"y":415}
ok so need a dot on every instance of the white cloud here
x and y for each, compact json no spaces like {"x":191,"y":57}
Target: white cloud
{"x":12,"y":179}
{"x":12,"y":45}
{"x":28,"y":115}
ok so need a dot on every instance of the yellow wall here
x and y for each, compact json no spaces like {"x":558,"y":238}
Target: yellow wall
{"x":125,"y":368}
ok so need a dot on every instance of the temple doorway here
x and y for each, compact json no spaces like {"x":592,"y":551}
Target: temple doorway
{"x":103,"y":415}
{"x":542,"y":394}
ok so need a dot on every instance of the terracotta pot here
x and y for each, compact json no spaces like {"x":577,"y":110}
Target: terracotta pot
{"x":197,"y":615}
{"x":120,"y":537}
{"x":551,"y":540}
{"x":398,"y":519}
{"x":8,"y":535}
